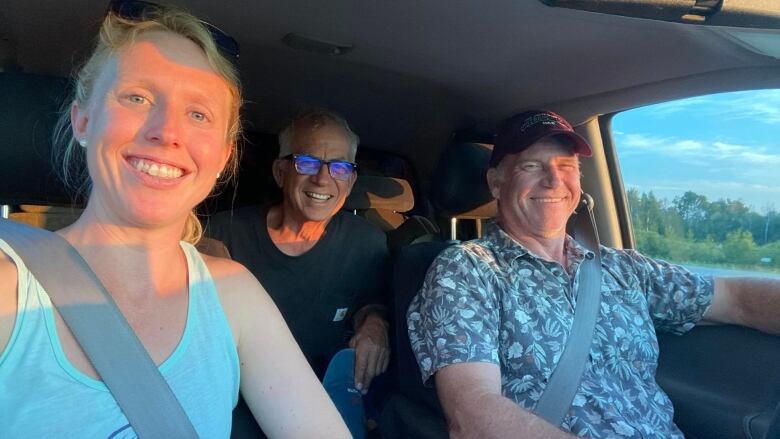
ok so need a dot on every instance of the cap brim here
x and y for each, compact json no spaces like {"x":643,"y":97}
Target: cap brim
{"x":581,"y":146}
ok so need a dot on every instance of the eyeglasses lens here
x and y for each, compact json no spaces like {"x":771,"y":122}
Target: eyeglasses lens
{"x":339,"y":170}
{"x":307,"y":165}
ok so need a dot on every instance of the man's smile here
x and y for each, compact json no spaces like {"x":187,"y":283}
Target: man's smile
{"x":318,"y":196}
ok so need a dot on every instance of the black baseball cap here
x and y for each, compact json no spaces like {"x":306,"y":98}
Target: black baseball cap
{"x":522,"y":130}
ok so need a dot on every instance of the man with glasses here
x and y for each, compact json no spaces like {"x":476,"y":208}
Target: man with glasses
{"x":326,"y":269}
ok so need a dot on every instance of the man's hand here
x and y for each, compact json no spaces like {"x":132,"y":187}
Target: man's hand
{"x":372,"y":353}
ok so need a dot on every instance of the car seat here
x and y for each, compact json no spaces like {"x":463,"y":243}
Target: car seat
{"x":386,"y":203}
{"x":460,"y":192}
{"x":28,"y":112}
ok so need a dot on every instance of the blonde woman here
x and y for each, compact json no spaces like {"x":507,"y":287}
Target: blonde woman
{"x":155,"y":119}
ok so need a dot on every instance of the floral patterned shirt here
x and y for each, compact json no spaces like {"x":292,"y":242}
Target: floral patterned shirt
{"x":491,"y":300}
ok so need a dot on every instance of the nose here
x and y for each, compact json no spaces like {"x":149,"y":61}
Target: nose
{"x":552,"y":177}
{"x":162,"y":126}
{"x":322,"y":177}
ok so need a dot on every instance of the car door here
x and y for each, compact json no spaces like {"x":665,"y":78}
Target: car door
{"x":674,"y":179}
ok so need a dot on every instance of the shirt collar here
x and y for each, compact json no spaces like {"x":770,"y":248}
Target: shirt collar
{"x":508,"y":249}
{"x":503,"y":245}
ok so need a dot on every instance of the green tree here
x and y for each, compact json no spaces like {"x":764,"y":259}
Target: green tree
{"x":724,"y":217}
{"x":692,"y":208}
{"x":740,"y":248}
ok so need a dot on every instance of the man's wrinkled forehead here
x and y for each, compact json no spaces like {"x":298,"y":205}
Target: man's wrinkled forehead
{"x":547,"y":148}
{"x":311,"y":137}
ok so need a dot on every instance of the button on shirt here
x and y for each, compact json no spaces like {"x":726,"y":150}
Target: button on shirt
{"x":491,"y":300}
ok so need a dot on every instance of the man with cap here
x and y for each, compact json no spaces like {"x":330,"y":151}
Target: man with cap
{"x":494,"y":314}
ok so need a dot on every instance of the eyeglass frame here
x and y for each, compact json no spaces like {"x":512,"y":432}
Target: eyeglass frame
{"x":294,"y":158}
{"x":138,"y":10}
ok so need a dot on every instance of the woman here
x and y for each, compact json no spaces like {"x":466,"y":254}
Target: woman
{"x":155,"y":115}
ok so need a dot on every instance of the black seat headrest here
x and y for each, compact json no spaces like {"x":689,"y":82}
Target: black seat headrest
{"x":459,"y":186}
{"x":29,"y":108}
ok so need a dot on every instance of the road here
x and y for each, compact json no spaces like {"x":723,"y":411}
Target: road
{"x":723,"y":272}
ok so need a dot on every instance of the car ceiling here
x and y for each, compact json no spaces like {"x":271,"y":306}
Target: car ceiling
{"x":421,"y":70}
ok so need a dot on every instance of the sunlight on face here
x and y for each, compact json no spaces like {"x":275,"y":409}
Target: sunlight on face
{"x":156,"y":128}
{"x":537,"y":189}
{"x":317,"y":197}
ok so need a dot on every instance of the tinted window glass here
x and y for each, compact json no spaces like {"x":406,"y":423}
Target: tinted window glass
{"x":701,"y":175}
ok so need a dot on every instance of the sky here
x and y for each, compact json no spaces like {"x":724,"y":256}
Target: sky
{"x":721,"y":146}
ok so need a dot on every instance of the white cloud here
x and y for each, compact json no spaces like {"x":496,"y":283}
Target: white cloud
{"x":673,"y":107}
{"x":759,"y":105}
{"x":688,"y":146}
{"x":640,"y":141}
{"x":758,"y":158}
{"x":720,"y":164}
{"x":728,"y":147}
{"x":704,"y":151}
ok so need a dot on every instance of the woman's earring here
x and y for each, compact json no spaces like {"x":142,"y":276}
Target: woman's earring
{"x":83,"y":143}
{"x":218,"y":174}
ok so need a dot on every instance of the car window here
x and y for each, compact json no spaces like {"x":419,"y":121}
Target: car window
{"x":701,"y":180}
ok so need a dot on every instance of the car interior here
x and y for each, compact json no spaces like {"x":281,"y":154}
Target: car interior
{"x":424,"y":85}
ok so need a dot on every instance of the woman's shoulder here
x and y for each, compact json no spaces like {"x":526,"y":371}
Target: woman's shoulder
{"x":243,"y":299}
{"x":237,"y":287}
{"x":230,"y":276}
{"x":8,"y":281}
{"x":8,"y":298}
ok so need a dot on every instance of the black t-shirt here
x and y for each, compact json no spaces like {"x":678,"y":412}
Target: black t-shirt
{"x":317,"y":292}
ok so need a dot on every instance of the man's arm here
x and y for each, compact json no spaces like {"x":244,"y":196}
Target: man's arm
{"x":372,"y":349}
{"x":470,"y":394}
{"x":747,"y":301}
{"x":371,"y":341}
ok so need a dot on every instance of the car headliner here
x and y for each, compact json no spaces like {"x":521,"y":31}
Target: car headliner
{"x":420,"y":70}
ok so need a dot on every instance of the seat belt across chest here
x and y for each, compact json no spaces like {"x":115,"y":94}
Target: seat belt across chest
{"x":565,"y":379}
{"x":101,"y":330}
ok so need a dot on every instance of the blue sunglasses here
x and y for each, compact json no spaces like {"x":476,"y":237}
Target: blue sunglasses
{"x":309,"y":165}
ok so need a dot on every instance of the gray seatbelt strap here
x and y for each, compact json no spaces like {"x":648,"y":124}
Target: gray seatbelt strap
{"x":565,"y":379}
{"x":102,"y":331}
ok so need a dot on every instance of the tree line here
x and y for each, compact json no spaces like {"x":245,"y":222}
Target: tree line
{"x":690,"y":228}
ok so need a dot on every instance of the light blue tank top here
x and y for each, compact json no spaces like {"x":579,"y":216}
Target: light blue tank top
{"x":42,"y":395}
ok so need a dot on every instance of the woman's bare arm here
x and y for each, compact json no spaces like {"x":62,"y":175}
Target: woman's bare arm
{"x":278,"y":384}
{"x":8,"y":299}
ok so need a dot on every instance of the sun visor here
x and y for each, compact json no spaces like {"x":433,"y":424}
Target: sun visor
{"x":759,"y":14}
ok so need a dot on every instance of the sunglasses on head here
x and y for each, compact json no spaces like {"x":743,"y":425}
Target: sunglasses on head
{"x":310,"y":165}
{"x":137,"y":10}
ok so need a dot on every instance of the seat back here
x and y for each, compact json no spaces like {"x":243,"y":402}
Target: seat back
{"x":29,"y":108}
{"x":385,"y":202}
{"x":460,"y":192}
{"x":29,"y":187}
{"x":45,"y":217}
{"x":409,"y":273}
{"x":415,"y":411}
{"x":381,"y":200}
